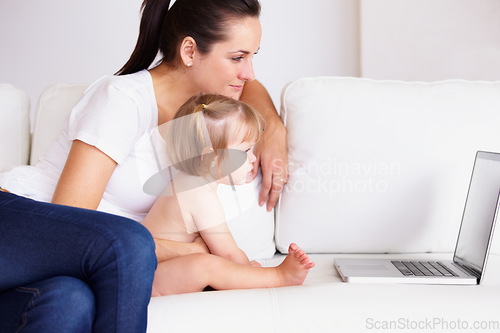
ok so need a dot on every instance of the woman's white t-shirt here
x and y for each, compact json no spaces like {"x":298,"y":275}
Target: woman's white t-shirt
{"x":119,"y":116}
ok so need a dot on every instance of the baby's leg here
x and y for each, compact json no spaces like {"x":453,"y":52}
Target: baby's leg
{"x":193,"y":273}
{"x":185,"y":274}
{"x":292,"y":271}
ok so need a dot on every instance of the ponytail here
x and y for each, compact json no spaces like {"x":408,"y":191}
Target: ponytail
{"x":148,"y":42}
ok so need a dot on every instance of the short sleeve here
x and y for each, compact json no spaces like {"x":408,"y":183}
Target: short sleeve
{"x":110,"y":117}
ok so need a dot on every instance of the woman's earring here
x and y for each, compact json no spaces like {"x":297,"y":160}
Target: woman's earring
{"x":189,"y":64}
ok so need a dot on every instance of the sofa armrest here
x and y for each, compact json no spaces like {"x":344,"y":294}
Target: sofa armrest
{"x":14,"y":126}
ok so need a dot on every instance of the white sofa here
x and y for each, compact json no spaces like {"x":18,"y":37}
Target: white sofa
{"x":376,"y":167}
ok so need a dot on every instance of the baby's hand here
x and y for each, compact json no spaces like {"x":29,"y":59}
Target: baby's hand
{"x":199,"y":245}
{"x":255,"y":263}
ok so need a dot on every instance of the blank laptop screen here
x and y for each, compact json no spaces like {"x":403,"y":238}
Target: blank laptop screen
{"x":479,"y":212}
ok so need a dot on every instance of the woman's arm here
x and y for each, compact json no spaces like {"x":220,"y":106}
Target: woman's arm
{"x":271,"y":150}
{"x":82,"y":184}
{"x":84,"y":177}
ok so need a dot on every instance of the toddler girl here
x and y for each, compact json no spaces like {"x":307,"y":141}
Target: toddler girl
{"x":209,"y":142}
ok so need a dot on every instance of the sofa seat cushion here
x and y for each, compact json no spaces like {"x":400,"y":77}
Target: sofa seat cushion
{"x":381,"y":166}
{"x":326,"y":304}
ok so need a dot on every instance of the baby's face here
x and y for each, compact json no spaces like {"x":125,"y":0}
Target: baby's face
{"x":243,"y":174}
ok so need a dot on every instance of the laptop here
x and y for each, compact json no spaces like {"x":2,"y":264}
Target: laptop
{"x":472,"y":247}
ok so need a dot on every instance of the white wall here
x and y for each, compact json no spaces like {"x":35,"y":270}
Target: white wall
{"x":428,"y":40}
{"x":51,"y":41}
{"x":307,"y":38}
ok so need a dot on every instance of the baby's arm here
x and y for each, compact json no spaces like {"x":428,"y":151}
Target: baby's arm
{"x":211,"y":223}
{"x":221,"y":243}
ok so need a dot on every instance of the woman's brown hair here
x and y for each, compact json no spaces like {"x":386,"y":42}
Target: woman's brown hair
{"x":163,"y":29}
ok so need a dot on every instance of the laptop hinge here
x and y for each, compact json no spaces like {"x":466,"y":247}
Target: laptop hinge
{"x":469,"y":270}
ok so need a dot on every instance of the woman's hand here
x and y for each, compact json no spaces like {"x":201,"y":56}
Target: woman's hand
{"x":271,"y":150}
{"x":167,"y":249}
{"x":272,"y":156}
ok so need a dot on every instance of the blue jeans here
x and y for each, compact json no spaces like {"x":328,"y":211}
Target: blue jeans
{"x":66,"y":269}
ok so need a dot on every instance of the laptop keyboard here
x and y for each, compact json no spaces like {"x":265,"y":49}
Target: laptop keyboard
{"x":423,"y":268}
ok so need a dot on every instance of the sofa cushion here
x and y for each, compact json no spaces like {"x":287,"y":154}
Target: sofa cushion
{"x":14,"y":126}
{"x":51,"y":114}
{"x":251,"y":225}
{"x":325,"y":304}
{"x":381,"y":166}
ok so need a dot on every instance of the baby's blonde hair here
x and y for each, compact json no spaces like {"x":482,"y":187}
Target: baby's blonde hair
{"x":205,"y":124}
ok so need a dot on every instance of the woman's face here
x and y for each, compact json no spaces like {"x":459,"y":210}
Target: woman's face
{"x":228,"y":66}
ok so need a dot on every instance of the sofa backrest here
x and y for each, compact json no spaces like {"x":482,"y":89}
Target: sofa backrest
{"x":382,"y":166}
{"x":14,"y":126}
{"x":51,"y":113}
{"x":375,"y":166}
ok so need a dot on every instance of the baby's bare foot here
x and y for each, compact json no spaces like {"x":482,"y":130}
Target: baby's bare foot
{"x":293,"y":270}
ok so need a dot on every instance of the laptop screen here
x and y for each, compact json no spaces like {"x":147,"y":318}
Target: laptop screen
{"x":479,"y":212}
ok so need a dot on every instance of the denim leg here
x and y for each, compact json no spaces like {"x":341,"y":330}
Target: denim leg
{"x":61,"y":304}
{"x":115,"y":256}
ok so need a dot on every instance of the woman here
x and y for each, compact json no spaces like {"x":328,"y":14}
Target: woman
{"x":84,"y":270}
